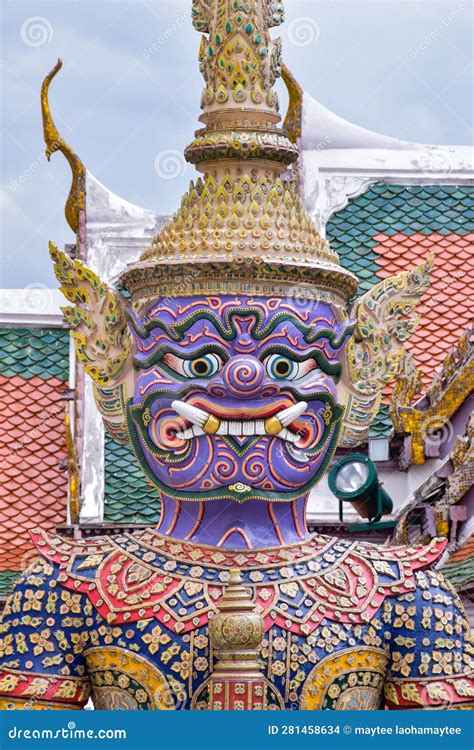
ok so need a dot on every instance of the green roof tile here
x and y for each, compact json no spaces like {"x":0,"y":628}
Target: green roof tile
{"x":461,"y":574}
{"x":7,"y":581}
{"x":128,"y":496}
{"x":34,"y":351}
{"x":382,"y":425}
{"x":391,"y":209}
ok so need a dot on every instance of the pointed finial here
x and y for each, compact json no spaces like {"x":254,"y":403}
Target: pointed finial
{"x":54,"y":142}
{"x":245,"y":222}
{"x":240,"y":64}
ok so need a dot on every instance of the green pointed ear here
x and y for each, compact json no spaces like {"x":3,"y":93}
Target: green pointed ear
{"x":101,"y":336}
{"x":383,"y":324}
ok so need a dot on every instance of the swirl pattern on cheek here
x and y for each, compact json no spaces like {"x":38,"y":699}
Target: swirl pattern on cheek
{"x":255,"y":468}
{"x":225,"y":468}
{"x":163,"y":432}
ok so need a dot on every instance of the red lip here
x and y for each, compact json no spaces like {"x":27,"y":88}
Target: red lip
{"x":241,"y":411}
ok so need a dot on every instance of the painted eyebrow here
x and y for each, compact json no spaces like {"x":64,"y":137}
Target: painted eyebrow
{"x":158,"y":354}
{"x":333,"y":369}
{"x":176,"y":331}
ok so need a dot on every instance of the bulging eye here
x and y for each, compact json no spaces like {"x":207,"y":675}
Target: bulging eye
{"x":279,"y":367}
{"x":201,"y":367}
{"x":282,"y":368}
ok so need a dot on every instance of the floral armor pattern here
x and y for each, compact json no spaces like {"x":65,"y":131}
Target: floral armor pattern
{"x":347,"y":625}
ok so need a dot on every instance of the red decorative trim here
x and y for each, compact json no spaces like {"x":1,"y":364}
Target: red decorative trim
{"x":32,"y":686}
{"x":279,"y":555}
{"x":440,"y":693}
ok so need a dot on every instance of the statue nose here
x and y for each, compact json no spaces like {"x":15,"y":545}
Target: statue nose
{"x":243,"y":377}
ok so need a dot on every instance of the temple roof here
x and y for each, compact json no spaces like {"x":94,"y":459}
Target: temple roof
{"x":33,"y":488}
{"x":460,"y":567}
{"x":31,"y":351}
{"x":318,"y":122}
{"x":329,"y":143}
{"x":390,"y":228}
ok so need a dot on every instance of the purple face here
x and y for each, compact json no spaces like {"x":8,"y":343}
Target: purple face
{"x":236,"y":397}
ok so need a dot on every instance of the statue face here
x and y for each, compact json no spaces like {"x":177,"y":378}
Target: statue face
{"x":241,"y":363}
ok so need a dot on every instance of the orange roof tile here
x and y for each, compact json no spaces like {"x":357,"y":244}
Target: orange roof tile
{"x":33,"y":489}
{"x":446,"y":310}
{"x":467,"y":550}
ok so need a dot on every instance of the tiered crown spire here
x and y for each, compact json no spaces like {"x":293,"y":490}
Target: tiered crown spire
{"x":242,"y":227}
{"x":240,"y":64}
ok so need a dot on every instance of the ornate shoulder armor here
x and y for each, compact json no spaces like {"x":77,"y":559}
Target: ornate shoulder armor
{"x":432,"y":649}
{"x":145,"y":575}
{"x":43,"y":634}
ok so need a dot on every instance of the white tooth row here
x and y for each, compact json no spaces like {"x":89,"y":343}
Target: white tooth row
{"x":239,"y":429}
{"x":200,"y":418}
{"x":190,"y":432}
{"x":250,"y":427}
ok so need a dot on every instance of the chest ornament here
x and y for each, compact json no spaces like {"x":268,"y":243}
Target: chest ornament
{"x":145,"y":575}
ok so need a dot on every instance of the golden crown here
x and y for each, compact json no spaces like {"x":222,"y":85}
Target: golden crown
{"x":243,"y":226}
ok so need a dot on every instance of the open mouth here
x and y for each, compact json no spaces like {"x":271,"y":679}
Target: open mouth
{"x":203,"y":422}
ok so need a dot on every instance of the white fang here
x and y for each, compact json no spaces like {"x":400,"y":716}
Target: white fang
{"x":191,"y":413}
{"x":293,"y":412}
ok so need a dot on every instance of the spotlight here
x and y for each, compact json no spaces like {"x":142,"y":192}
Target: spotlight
{"x":354,"y":479}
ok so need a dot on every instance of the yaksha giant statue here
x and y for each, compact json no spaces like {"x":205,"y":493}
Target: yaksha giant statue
{"x":235,"y":365}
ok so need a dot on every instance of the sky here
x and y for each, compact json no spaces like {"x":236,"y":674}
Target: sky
{"x":129,"y":92}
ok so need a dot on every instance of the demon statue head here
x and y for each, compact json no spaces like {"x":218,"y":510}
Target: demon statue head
{"x":234,"y":364}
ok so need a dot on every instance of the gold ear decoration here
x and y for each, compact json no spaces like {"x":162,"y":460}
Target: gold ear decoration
{"x":99,"y":328}
{"x":293,"y":119}
{"x":54,"y":142}
{"x":407,"y":385}
{"x":374,"y":354}
{"x":101,"y":337}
